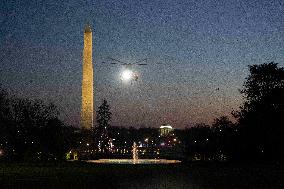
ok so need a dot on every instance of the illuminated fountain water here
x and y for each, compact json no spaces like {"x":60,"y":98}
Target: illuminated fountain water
{"x":134,"y":152}
{"x":134,"y":160}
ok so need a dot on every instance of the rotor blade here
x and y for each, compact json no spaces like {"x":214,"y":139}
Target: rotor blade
{"x":117,"y":60}
{"x":141,"y":61}
{"x":103,"y":63}
{"x":100,"y":63}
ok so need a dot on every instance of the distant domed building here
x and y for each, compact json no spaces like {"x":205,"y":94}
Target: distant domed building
{"x":165,"y":130}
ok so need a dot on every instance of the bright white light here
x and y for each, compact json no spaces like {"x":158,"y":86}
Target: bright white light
{"x":166,"y":126}
{"x":126,"y":75}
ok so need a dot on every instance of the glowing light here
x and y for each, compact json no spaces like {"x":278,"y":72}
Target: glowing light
{"x":126,"y":75}
{"x":166,"y":126}
{"x":87,"y":107}
{"x":134,"y":152}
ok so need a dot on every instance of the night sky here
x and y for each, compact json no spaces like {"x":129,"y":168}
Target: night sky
{"x":200,"y":45}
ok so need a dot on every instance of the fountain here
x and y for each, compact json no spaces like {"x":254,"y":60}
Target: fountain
{"x":134,"y":160}
{"x":134,"y":152}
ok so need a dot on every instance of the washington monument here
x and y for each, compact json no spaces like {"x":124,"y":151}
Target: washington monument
{"x":87,"y":110}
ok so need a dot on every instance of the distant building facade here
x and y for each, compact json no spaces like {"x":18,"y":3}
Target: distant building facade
{"x":165,"y":130}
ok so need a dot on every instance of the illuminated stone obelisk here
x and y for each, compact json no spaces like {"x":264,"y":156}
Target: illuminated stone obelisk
{"x":87,"y":111}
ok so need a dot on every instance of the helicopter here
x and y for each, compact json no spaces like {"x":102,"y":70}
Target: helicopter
{"x":128,"y":73}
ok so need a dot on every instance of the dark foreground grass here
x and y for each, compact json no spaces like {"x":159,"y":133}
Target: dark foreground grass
{"x":82,"y":175}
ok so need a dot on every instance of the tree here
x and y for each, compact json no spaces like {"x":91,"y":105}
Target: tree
{"x":101,"y":132}
{"x":37,"y":134}
{"x":7,"y":128}
{"x":262,"y":81}
{"x":30,"y":129}
{"x":261,"y":115}
{"x":4,"y":106}
{"x":198,"y":140}
{"x":222,"y":123}
{"x":224,"y":136}
{"x":53,"y":140}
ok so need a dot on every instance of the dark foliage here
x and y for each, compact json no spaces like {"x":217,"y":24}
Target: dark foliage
{"x":101,"y":131}
{"x":30,"y":130}
{"x":261,"y":116}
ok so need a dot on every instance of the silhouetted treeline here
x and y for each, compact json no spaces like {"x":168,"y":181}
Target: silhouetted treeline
{"x":261,"y":117}
{"x":211,"y":142}
{"x":259,"y":130}
{"x":31,"y":130}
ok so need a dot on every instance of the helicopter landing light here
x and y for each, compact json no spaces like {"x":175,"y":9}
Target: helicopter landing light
{"x":126,"y":75}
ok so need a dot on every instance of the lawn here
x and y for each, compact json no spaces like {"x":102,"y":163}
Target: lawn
{"x":192,"y":175}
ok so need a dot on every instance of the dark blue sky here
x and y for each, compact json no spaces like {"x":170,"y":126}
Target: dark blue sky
{"x":201,"y":45}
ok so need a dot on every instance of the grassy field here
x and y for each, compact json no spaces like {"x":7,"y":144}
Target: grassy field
{"x":81,"y":175}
